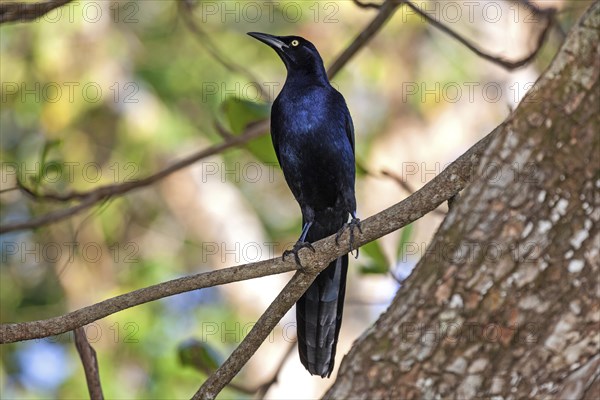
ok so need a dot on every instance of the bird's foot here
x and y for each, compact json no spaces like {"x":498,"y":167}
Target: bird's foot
{"x":297,"y":247}
{"x":354,"y":223}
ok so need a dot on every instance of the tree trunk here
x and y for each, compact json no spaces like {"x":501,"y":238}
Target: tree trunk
{"x":506,"y":301}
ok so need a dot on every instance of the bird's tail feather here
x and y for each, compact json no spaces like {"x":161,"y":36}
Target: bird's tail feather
{"x":319,"y":310}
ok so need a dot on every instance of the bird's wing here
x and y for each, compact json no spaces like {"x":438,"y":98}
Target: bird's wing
{"x":350,"y":129}
{"x":341,"y":102}
{"x":274,"y":130}
{"x":275,"y":141}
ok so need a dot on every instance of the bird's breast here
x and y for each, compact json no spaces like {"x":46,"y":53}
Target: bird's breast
{"x":304,"y":114}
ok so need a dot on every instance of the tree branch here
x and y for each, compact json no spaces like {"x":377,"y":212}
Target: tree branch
{"x":196,"y":358}
{"x":186,"y":11}
{"x":89,"y":198}
{"x":15,"y":12}
{"x":507,"y":64}
{"x":407,"y":187}
{"x":10,"y":333}
{"x":361,"y":4}
{"x":452,"y":180}
{"x":444,"y":186}
{"x":386,"y":10}
{"x":90,"y":364}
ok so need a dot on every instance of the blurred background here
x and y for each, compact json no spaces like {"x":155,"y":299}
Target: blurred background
{"x":104,"y":92}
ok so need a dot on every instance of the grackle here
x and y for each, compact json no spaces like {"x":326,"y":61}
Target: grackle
{"x":313,"y":137}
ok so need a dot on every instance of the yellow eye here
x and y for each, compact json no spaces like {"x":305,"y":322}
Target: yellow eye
{"x":295,"y":43}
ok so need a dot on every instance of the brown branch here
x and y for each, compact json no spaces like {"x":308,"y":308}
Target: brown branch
{"x":442,"y":187}
{"x":439,"y":189}
{"x":535,"y":8}
{"x":16,"y":332}
{"x":90,"y":364}
{"x":15,"y":12}
{"x":225,"y":134}
{"x":92,"y":197}
{"x":385,"y":12}
{"x":361,"y":4}
{"x":407,"y":187}
{"x":197,"y":362}
{"x":507,"y":64}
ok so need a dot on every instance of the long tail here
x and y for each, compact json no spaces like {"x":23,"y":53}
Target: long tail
{"x":319,"y":310}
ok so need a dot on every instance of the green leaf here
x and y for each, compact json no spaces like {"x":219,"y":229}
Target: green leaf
{"x":199,"y":355}
{"x":379,"y":269}
{"x":360,"y":169}
{"x":405,"y":237}
{"x":379,"y":263}
{"x":240,"y":113}
{"x":262,"y":149}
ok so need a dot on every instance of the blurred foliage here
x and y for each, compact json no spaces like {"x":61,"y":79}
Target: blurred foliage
{"x":379,"y":263}
{"x":106,"y":92}
{"x":199,"y":355}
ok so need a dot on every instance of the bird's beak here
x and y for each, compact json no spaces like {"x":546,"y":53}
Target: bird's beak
{"x":270,"y":40}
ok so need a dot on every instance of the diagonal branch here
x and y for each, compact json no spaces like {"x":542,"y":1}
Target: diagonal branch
{"x":15,"y":12}
{"x":441,"y":188}
{"x":90,"y":364}
{"x":89,"y":198}
{"x":386,"y":10}
{"x":186,"y":11}
{"x":507,"y":64}
{"x":452,"y":180}
{"x":407,"y":187}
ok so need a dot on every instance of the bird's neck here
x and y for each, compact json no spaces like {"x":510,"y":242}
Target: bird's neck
{"x":313,"y":74}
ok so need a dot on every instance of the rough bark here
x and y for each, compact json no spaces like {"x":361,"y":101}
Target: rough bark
{"x":506,"y":301}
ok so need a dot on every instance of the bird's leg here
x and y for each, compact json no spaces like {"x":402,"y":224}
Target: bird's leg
{"x":300,"y":244}
{"x":354,"y":223}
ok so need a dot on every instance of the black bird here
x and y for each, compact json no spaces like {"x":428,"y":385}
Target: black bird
{"x":313,"y":137}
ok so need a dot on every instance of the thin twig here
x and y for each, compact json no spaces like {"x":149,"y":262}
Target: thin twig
{"x":398,"y":179}
{"x":362,"y":4}
{"x":186,"y":11}
{"x":385,"y":13}
{"x":507,"y":64}
{"x":90,"y":364}
{"x":15,"y":12}
{"x":263,"y":389}
{"x":10,"y":189}
{"x":89,"y":198}
{"x":198,"y":363}
{"x":535,"y":8}
{"x":53,"y":216}
{"x":225,"y":134}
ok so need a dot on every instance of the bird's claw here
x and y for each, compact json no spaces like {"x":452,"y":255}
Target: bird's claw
{"x":297,"y":247}
{"x":354,"y":223}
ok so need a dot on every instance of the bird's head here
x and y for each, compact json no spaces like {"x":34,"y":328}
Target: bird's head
{"x":297,"y":53}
